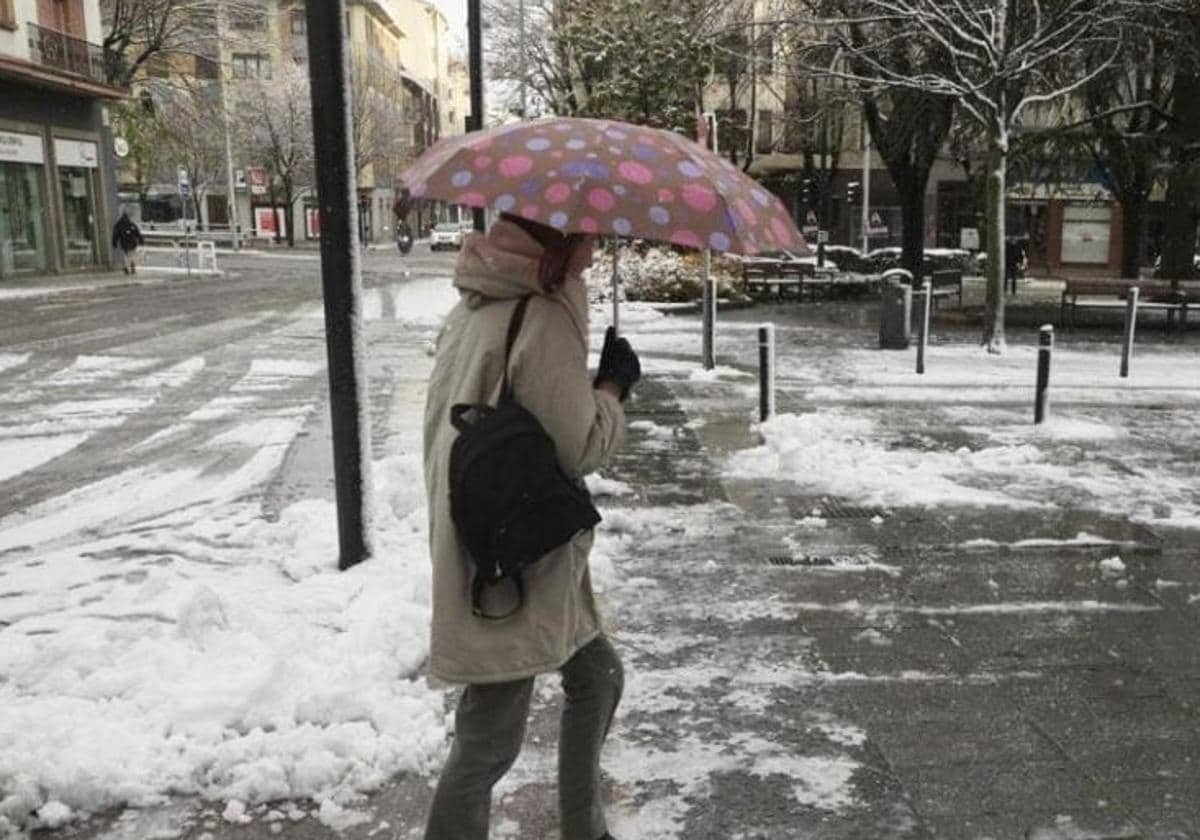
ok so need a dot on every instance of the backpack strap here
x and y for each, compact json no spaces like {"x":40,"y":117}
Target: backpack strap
{"x":514,"y":328}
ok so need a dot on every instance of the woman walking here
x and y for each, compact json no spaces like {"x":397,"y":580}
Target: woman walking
{"x":557,"y":627}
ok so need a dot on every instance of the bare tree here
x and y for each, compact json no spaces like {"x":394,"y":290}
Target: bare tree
{"x":282,"y":135}
{"x":998,"y":60}
{"x":185,"y":118}
{"x":135,"y":31}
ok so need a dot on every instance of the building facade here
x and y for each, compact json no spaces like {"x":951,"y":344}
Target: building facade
{"x":58,"y":196}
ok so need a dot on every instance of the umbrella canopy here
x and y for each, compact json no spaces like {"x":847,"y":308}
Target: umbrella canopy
{"x":607,"y":177}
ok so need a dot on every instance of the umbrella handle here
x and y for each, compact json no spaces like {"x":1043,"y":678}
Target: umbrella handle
{"x":616,"y":304}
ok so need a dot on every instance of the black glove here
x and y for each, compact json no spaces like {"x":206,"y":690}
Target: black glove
{"x":618,"y":363}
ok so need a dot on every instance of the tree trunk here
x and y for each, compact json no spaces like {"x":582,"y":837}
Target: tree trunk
{"x":288,"y":209}
{"x":1183,"y":183}
{"x":993,"y":314}
{"x":1132,"y":225}
{"x":912,"y":224}
{"x":1179,"y":224}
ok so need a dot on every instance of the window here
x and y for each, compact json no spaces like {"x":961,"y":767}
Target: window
{"x":1085,"y":234}
{"x":253,"y":18}
{"x":766,"y":55}
{"x":299,"y":23}
{"x":764,"y":140}
{"x":251,"y":66}
{"x":8,"y":15}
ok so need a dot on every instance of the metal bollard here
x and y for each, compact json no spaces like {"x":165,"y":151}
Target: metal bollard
{"x":1131,"y":306}
{"x":766,"y":372}
{"x":708,"y":302}
{"x":1042,"y":398}
{"x":926,"y":308}
{"x":820,"y":254}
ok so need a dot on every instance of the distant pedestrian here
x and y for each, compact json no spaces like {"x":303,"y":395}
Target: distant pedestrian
{"x":557,"y":626}
{"x":128,"y":237}
{"x":1014,"y":261}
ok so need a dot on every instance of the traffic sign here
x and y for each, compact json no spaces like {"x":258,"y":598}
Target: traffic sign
{"x":822,"y":237}
{"x":877,"y":227}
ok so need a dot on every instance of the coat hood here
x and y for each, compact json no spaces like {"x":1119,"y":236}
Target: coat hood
{"x":501,"y":265}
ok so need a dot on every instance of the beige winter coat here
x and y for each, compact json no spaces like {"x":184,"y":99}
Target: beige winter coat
{"x":548,"y":372}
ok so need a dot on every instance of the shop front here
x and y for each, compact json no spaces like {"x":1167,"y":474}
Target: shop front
{"x":24,"y":213}
{"x":81,"y":239}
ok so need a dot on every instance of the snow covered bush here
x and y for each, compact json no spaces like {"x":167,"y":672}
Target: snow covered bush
{"x":659,"y":274}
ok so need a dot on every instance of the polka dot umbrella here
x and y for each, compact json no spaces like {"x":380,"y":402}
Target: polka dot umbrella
{"x":607,"y":177}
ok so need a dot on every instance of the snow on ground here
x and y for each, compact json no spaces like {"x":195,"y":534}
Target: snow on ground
{"x":162,"y":637}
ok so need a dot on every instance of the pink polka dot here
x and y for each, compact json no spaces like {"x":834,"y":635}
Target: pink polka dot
{"x":745,"y":211}
{"x":601,"y":199}
{"x":635,"y":172}
{"x":782,"y":232}
{"x":482,"y":162}
{"x":589,"y":225}
{"x":558,"y":193}
{"x":699,"y":197}
{"x":665,"y":196}
{"x":474,"y":199}
{"x":514,"y":166}
{"x":529,"y":211}
{"x":686,"y":238}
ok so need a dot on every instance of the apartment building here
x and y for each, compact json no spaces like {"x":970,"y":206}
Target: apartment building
{"x":57,"y":182}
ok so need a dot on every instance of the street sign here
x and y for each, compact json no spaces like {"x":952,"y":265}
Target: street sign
{"x":181,"y":177}
{"x":257,"y":178}
{"x":877,"y":227}
{"x":120,"y":147}
{"x":185,"y":190}
{"x":969,"y":239}
{"x":811,"y":225}
{"x":822,"y":237}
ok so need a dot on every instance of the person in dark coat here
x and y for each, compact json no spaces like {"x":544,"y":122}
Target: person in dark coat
{"x":128,"y":237}
{"x":1014,"y":261}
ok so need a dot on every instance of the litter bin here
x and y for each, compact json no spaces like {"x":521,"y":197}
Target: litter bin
{"x":895,"y":310}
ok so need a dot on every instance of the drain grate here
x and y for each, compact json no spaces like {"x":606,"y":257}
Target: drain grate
{"x":837,"y":509}
{"x":862,"y":559}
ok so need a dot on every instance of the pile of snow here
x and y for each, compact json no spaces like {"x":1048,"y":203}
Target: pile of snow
{"x":225,"y":657}
{"x":656,"y":273}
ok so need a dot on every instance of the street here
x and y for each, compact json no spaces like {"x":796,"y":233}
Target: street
{"x":898,"y":611}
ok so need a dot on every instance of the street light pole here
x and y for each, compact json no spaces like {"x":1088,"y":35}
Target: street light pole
{"x":340,"y":275}
{"x":524,"y":61}
{"x":230,"y":186}
{"x":475,"y":69}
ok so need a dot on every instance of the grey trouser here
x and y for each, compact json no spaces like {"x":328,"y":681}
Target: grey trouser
{"x":130,"y":259}
{"x":489,"y":727}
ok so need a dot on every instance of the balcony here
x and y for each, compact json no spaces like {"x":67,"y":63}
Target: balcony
{"x":62,"y":52}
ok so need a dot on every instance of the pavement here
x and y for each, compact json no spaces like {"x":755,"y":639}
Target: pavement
{"x":785,"y":682}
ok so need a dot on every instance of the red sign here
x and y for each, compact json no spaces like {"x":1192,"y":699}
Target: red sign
{"x":256,"y":177}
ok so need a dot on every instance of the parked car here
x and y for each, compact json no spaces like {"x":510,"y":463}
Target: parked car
{"x":446,"y":235}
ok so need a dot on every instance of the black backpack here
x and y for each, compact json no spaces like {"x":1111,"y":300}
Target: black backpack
{"x":510,"y":501}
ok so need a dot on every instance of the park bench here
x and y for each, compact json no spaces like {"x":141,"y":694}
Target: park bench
{"x":778,"y":277}
{"x":946,"y":282}
{"x":1113,"y":293}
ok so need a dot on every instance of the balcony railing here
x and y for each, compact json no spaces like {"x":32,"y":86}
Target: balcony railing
{"x":51,"y":48}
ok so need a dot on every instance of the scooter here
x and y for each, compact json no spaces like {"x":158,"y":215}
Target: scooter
{"x":404,"y":242}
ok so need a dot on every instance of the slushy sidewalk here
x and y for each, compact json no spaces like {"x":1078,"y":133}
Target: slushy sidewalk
{"x":904,"y":615}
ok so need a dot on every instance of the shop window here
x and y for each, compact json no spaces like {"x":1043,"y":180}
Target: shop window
{"x":1085,"y":234}
{"x":79,"y":216}
{"x":22,"y":219}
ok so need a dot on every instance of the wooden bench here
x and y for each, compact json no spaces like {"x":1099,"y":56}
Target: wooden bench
{"x":778,"y":277}
{"x":946,"y":282}
{"x":1113,"y":293}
